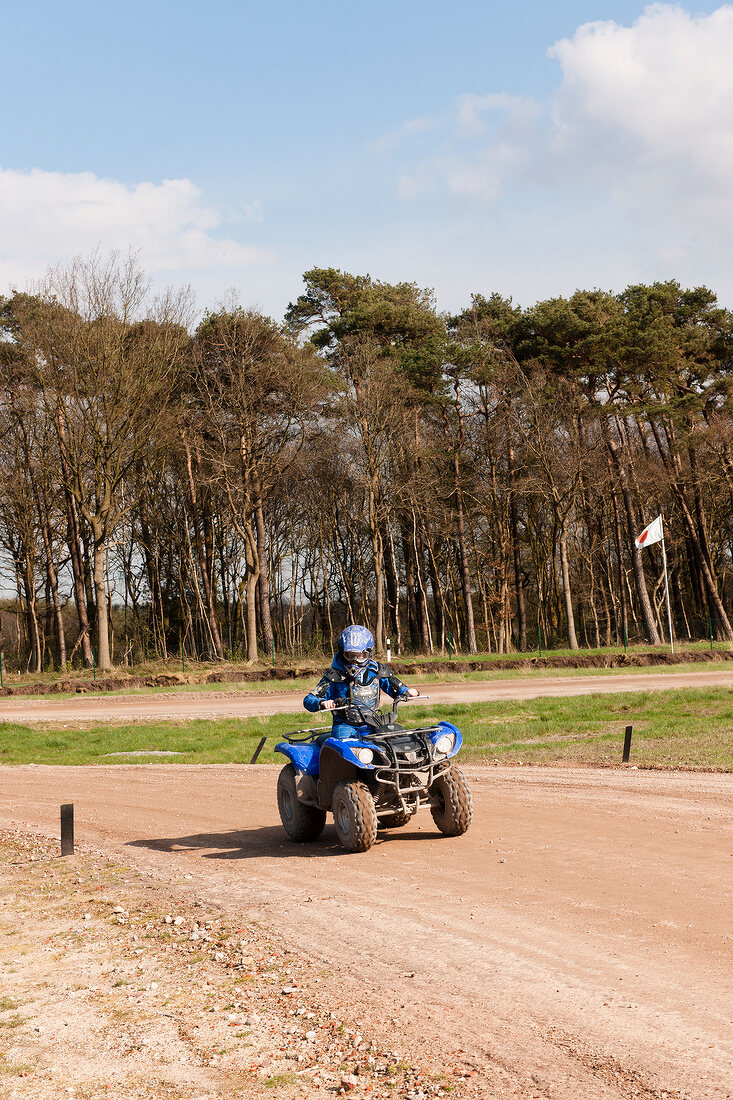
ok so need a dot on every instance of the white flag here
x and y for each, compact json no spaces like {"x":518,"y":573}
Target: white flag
{"x":652,"y":533}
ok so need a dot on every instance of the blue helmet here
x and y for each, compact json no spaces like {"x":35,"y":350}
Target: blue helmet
{"x":355,"y":646}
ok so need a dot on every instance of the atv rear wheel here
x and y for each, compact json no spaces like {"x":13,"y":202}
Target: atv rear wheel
{"x":395,"y":820}
{"x":301,"y":823}
{"x":354,"y":816}
{"x":452,"y":807}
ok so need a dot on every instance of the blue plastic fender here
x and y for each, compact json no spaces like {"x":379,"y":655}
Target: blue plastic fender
{"x":448,"y":727}
{"x":304,"y":758}
{"x":345,"y":750}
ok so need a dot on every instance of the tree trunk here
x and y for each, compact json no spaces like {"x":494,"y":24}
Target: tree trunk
{"x":74,"y":542}
{"x":516,"y":556}
{"x":438,"y":597}
{"x":702,"y":526}
{"x":693,"y":570}
{"x":54,"y":588}
{"x":650,"y":625}
{"x":393,"y":589}
{"x":723,"y":629}
{"x":677,"y":600}
{"x":698,"y":539}
{"x":409,"y":556}
{"x":263,"y":579}
{"x":378,"y":565}
{"x":377,"y":553}
{"x":202,"y":558}
{"x":463,"y":561}
{"x":423,"y":615}
{"x":621,"y":574}
{"x":77,"y":570}
{"x":104,"y":662}
{"x":253,"y":573}
{"x":34,"y":631}
{"x":567,"y":593}
{"x":151,"y":555}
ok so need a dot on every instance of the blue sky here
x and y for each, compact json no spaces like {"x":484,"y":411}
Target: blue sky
{"x":528,"y":149}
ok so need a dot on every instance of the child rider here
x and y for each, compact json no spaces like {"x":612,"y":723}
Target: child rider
{"x":354,"y":682}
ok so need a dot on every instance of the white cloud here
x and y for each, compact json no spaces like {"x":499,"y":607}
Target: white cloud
{"x":483,"y":176}
{"x":650,"y":105}
{"x":638,"y":136}
{"x":412,"y":185}
{"x":414,"y":126}
{"x":465,"y":166}
{"x":48,"y":217}
{"x":515,"y":112}
{"x":654,"y":103}
{"x":475,"y":181}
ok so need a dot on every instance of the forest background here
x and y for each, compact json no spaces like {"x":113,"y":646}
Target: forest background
{"x":472,"y":481}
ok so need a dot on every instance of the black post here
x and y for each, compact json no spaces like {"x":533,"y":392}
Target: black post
{"x":258,"y":750}
{"x":627,"y":745}
{"x":67,"y":829}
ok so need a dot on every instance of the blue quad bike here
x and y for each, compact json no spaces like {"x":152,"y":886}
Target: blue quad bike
{"x":376,"y":781}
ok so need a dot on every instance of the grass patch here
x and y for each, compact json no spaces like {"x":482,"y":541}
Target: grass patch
{"x":16,"y":1069}
{"x":530,"y":673}
{"x":13,"y":1021}
{"x":683,"y":728}
{"x":279,"y":1080}
{"x":200,"y":741}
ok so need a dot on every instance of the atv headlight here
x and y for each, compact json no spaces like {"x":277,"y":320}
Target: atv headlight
{"x":364,"y":756}
{"x":445,"y":743}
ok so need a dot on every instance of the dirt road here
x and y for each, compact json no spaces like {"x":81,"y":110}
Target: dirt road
{"x":232,"y":704}
{"x":577,"y":943}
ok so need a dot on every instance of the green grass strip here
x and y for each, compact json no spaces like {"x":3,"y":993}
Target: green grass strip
{"x":686,"y":728}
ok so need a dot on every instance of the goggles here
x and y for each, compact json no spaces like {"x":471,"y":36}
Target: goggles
{"x":356,"y":658}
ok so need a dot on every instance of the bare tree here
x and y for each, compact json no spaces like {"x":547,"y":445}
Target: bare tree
{"x":104,"y":359}
{"x":257,"y":390}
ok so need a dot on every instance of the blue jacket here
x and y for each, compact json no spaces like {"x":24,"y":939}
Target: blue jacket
{"x":363,"y":691}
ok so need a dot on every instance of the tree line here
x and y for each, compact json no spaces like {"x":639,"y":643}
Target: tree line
{"x":466,"y":482}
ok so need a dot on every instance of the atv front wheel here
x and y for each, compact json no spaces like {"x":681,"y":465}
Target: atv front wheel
{"x":354,"y":816}
{"x":301,"y":823}
{"x":452,"y":807}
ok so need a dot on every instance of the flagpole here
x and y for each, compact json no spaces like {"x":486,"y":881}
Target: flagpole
{"x":666,"y":591}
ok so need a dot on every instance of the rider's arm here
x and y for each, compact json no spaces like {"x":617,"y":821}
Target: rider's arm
{"x":392,"y":685}
{"x":313,"y":699}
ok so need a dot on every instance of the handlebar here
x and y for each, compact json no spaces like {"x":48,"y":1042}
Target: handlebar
{"x":307,"y":734}
{"x":350,"y":706}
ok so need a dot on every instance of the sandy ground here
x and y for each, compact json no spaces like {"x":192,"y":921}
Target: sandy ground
{"x":228,"y":704}
{"x":575,"y":944}
{"x":118,"y":985}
